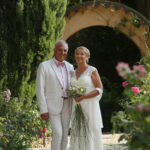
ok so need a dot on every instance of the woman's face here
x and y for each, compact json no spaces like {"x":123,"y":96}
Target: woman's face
{"x":80,"y":56}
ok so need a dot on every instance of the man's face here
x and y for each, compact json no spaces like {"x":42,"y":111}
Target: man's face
{"x":61,"y":51}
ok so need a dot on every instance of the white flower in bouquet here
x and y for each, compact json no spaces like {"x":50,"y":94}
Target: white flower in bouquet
{"x":75,"y":91}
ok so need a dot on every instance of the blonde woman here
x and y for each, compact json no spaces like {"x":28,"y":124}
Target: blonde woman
{"x":87,"y":76}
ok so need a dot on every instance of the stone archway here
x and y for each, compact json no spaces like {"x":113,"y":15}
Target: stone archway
{"x":111,"y":14}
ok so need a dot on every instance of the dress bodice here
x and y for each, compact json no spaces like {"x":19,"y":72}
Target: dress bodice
{"x":84,"y":79}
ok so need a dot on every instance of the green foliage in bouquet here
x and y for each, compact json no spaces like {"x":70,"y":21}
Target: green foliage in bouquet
{"x":80,"y":127}
{"x":20,"y":123}
{"x":79,"y":123}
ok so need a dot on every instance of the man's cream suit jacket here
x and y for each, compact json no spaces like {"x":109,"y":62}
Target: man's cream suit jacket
{"x":49,"y":89}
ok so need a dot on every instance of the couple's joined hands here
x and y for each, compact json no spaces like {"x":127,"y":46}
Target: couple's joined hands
{"x":79,"y":99}
{"x":45,"y":116}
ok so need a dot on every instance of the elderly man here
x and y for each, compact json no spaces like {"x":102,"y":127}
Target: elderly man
{"x":53,"y":78}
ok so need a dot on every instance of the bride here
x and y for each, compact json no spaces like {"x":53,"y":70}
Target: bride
{"x":87,"y":76}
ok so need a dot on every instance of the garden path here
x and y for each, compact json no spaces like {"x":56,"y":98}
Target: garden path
{"x":110,"y":143}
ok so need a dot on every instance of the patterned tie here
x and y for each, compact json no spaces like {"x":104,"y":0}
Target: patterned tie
{"x":60,"y":64}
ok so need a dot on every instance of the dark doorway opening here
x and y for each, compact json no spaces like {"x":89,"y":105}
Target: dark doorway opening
{"x":107,"y":48}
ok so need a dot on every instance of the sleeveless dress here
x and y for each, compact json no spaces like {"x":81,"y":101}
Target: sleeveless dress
{"x":92,"y":111}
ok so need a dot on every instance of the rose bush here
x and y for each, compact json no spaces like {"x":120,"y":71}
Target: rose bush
{"x":20,"y":123}
{"x":134,"y":121}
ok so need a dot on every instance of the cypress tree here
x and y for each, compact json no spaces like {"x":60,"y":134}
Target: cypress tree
{"x":28,"y":32}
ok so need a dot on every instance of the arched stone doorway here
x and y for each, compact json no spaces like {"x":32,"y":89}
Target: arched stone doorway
{"x":107,"y":14}
{"x":107,"y":47}
{"x":111,"y":14}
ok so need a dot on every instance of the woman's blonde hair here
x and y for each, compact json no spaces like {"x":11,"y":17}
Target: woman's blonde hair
{"x":86,"y":51}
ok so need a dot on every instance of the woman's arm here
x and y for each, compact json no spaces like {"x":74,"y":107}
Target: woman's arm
{"x":97,"y":83}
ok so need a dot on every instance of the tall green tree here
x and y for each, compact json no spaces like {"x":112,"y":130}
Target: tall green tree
{"x":28,"y":32}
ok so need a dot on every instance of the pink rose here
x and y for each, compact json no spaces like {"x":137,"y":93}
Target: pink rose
{"x":139,"y":107}
{"x":8,"y":92}
{"x":40,"y":130}
{"x":124,"y":83}
{"x":123,"y":69}
{"x":44,"y":130}
{"x":135,"y":90}
{"x":147,"y":108}
{"x":139,"y":70}
{"x":42,"y":134}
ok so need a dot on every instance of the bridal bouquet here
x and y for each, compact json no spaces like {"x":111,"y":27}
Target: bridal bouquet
{"x":80,"y":121}
{"x":75,"y":91}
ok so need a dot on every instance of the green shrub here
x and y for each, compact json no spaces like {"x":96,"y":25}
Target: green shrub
{"x":134,"y":121}
{"x":20,"y":123}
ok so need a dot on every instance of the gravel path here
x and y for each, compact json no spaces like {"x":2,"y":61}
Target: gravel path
{"x":110,"y":143}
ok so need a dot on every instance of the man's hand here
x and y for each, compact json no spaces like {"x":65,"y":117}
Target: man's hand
{"x":45,"y":116}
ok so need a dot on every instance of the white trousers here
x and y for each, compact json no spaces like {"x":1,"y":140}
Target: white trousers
{"x":60,"y":127}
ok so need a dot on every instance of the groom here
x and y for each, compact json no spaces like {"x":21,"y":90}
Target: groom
{"x":53,"y":78}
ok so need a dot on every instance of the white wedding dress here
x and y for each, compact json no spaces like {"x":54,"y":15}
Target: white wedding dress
{"x":92,"y":111}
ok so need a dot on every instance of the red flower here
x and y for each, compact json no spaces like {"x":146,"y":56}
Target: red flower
{"x":42,"y":134}
{"x":124,"y":83}
{"x":40,"y":130}
{"x":44,"y":130}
